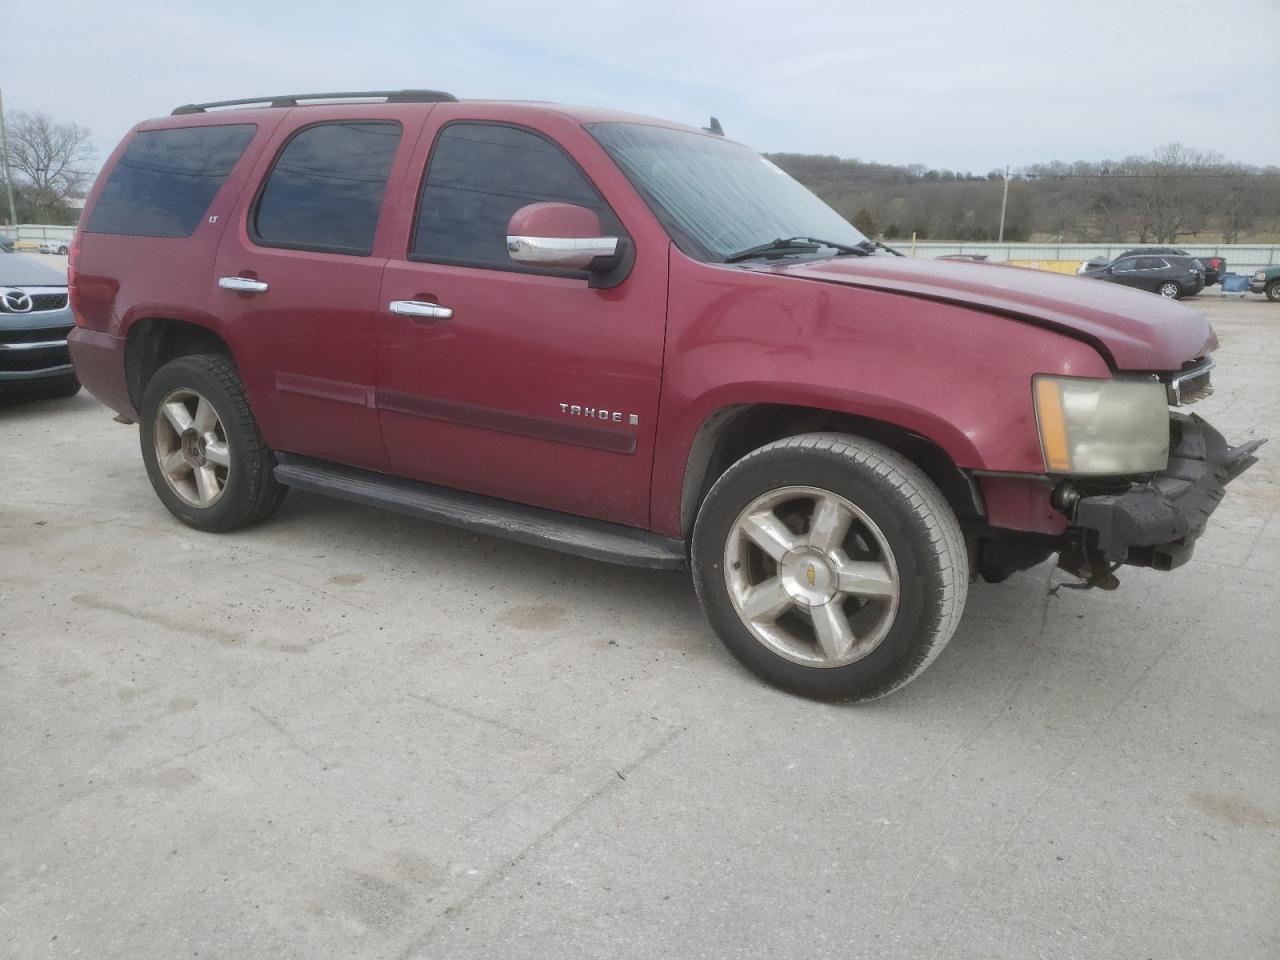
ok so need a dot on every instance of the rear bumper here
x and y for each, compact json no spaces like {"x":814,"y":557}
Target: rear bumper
{"x":1156,"y":524}
{"x":99,"y":363}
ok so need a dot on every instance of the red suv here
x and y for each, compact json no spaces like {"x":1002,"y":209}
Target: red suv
{"x":631,"y":340}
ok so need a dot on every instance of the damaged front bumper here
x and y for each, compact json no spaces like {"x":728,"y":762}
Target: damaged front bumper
{"x":1156,"y":523}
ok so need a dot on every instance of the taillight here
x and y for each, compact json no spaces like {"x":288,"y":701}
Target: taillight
{"x":73,"y":261}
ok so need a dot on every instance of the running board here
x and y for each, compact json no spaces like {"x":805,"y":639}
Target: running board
{"x":595,"y":539}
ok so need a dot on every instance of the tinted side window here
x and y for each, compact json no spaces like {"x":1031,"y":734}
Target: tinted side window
{"x":479,"y":175}
{"x":165,"y":180}
{"x":1124,"y":266}
{"x":325,"y":190}
{"x":1150,"y":263}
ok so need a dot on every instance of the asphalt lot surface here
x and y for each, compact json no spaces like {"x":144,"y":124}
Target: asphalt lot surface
{"x":345,"y":733}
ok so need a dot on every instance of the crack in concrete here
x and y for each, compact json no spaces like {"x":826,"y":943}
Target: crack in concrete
{"x":226,"y":637}
{"x":293,"y":741}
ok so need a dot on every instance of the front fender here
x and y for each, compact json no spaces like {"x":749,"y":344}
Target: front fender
{"x":959,"y":377}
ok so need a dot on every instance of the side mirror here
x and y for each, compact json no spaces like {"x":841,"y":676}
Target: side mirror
{"x":560,"y":235}
{"x":1110,"y":270}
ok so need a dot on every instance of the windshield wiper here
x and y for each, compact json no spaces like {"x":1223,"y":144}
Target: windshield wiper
{"x":784,"y":244}
{"x":871,"y":246}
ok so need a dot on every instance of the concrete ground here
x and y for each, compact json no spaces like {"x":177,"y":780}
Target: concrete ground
{"x":344,"y":733}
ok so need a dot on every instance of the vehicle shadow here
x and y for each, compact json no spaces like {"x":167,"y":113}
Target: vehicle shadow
{"x":1000,"y":620}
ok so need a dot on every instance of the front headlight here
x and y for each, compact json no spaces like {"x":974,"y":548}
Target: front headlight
{"x":1102,"y":427}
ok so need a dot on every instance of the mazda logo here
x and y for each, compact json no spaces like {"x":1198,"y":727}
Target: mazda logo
{"x":16,"y":301}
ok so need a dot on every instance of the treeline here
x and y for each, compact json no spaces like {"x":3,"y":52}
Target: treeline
{"x":1173,"y":194}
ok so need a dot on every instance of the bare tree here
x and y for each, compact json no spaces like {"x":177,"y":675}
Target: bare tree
{"x":1171,"y":200}
{"x":1243,"y":203}
{"x":54,"y":159}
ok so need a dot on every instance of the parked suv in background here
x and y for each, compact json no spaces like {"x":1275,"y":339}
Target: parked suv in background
{"x":1170,"y":276}
{"x":637,"y":341}
{"x":34,"y":322}
{"x":1214,"y":267}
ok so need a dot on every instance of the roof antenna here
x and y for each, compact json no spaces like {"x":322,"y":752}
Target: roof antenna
{"x":715,"y":128}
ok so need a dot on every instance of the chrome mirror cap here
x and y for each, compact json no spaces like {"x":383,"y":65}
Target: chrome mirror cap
{"x":568,"y":253}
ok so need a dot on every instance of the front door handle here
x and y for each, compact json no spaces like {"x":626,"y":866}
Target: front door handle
{"x":242,"y":284}
{"x":421,"y":309}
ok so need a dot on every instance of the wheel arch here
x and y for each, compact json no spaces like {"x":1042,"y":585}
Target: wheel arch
{"x":151,"y":342}
{"x":730,"y":432}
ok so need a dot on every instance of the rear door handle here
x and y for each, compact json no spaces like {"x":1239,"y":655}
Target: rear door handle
{"x":420,"y":308}
{"x":242,"y":284}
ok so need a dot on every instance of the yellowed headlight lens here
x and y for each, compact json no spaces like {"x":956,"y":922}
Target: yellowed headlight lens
{"x":1103,"y":428}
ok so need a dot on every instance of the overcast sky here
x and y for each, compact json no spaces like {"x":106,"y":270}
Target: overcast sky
{"x":966,"y":85}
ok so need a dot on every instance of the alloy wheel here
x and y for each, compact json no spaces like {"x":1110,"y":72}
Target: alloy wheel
{"x":191,"y":447}
{"x":811,"y":576}
{"x":1170,"y":290}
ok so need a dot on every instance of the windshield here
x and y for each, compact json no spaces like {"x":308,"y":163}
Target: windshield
{"x":717,"y":197}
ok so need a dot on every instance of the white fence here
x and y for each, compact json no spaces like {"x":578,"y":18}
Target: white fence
{"x":32,"y":233}
{"x":1241,"y":257}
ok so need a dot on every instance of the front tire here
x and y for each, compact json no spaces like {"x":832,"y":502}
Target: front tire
{"x":1272,"y":290}
{"x":204,"y":454}
{"x":830,"y":566}
{"x":1170,"y":290}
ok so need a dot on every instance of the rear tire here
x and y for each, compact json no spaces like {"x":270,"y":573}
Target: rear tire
{"x":204,"y":454}
{"x":830,"y":566}
{"x":1171,"y":290}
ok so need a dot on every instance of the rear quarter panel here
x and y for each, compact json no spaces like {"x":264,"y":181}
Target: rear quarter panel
{"x":123,"y":279}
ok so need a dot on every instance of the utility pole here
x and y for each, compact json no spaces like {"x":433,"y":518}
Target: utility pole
{"x":1004,"y":203}
{"x":8,"y":174}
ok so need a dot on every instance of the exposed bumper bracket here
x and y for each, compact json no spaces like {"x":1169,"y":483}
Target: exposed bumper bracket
{"x":1241,"y":458}
{"x":1155,"y":524}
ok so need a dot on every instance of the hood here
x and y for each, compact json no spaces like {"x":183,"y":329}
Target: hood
{"x":1133,"y":330}
{"x":19,"y":270}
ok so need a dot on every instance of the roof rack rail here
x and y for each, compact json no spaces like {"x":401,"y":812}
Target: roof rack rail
{"x":293,"y":99}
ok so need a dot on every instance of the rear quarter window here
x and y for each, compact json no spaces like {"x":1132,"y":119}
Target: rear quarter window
{"x":165,"y":180}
